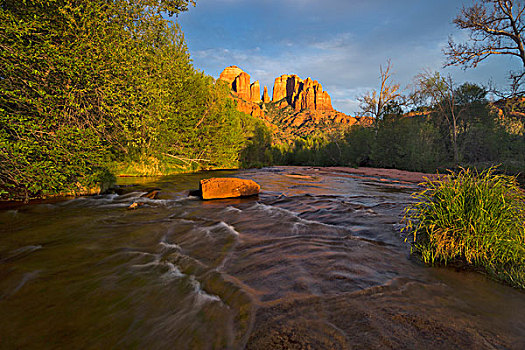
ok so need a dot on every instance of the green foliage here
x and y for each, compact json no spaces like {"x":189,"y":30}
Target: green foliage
{"x":407,"y":143}
{"x":258,"y":148}
{"x":88,"y":86}
{"x":196,"y":127}
{"x":171,"y":7}
{"x":322,"y":150}
{"x":512,"y":112}
{"x":357,"y":146}
{"x":52,"y":120}
{"x":92,"y":86}
{"x":474,"y":217}
{"x":395,"y":142}
{"x":469,"y":94}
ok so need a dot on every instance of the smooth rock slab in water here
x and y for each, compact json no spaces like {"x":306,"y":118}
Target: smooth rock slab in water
{"x":219,"y":188}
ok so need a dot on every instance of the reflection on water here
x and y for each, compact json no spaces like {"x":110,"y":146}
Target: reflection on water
{"x":316,"y":260}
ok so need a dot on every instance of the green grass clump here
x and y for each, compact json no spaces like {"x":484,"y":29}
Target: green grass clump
{"x":474,"y":217}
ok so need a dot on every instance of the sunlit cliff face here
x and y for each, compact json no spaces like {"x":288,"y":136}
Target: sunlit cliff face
{"x":296,"y":104}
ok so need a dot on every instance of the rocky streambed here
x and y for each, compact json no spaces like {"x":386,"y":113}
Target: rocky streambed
{"x":315,"y":261}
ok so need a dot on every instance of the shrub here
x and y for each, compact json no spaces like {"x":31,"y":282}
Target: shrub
{"x":413,"y":144}
{"x":474,"y":217}
{"x":357,"y":146}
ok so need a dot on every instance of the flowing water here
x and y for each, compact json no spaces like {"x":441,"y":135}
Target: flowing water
{"x":315,"y":262}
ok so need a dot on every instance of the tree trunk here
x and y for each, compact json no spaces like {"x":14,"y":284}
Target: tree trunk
{"x":455,"y":141}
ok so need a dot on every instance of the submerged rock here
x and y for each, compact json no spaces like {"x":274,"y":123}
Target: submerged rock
{"x":218,"y":188}
{"x":153,"y":194}
{"x":135,"y":205}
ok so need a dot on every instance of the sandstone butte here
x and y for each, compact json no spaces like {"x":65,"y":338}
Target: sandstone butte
{"x":305,"y":102}
{"x":219,"y":188}
{"x":301,"y":94}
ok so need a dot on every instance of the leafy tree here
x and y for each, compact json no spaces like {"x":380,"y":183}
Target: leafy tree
{"x":439,"y":93}
{"x":86,"y":83}
{"x":468,"y":94}
{"x":258,"y":148}
{"x":54,"y":66}
{"x":410,"y":143}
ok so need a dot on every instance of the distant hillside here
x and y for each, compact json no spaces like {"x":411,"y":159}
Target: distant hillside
{"x":298,"y":107}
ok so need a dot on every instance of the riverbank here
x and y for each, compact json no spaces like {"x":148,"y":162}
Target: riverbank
{"x":381,"y":174}
{"x":81,"y":191}
{"x":392,"y":176}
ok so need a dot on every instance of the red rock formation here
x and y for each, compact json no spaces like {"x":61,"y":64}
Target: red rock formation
{"x":248,"y":96}
{"x":305,"y":107}
{"x":279,"y":88}
{"x":294,"y":86}
{"x":308,"y":101}
{"x":282,"y":104}
{"x":266,"y":98}
{"x":255,"y":92}
{"x":242,"y":86}
{"x":301,"y":95}
{"x":250,"y":108}
{"x":365,"y":121}
{"x":217,"y":188}
{"x":317,"y":117}
{"x":323,"y":101}
{"x":308,"y":83}
{"x":229,"y":74}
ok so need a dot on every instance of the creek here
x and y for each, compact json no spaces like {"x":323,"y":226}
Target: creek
{"x":317,"y":260}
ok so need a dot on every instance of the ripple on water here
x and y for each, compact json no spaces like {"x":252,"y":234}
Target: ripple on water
{"x":20,"y":253}
{"x":320,"y":267}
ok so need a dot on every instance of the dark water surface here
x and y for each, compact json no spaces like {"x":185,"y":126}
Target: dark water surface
{"x":315,"y":262}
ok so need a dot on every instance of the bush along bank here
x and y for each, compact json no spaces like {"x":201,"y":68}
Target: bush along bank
{"x":476,"y":218}
{"x":94,"y":88}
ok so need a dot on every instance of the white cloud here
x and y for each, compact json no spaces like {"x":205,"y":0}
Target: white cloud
{"x":340,"y":46}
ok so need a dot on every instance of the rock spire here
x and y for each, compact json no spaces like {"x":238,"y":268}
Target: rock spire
{"x":290,"y":90}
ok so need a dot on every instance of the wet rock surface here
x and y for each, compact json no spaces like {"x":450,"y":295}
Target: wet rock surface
{"x":316,"y":261}
{"x":221,"y":188}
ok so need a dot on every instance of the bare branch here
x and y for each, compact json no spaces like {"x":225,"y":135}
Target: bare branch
{"x":187,"y":160}
{"x":375,"y":103}
{"x":495,"y":28}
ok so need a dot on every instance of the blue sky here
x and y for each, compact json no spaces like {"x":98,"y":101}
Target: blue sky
{"x":340,"y":43}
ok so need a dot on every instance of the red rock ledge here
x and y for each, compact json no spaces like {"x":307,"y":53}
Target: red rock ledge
{"x":219,"y":188}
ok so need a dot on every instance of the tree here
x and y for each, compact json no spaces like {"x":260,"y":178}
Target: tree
{"x":469,"y":93}
{"x":439,"y":93}
{"x":411,"y":143}
{"x":170,"y":7}
{"x":496,"y":27}
{"x":82,"y":81}
{"x":376,"y":103}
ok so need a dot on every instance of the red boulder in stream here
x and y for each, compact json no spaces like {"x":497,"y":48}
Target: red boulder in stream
{"x":217,"y":188}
